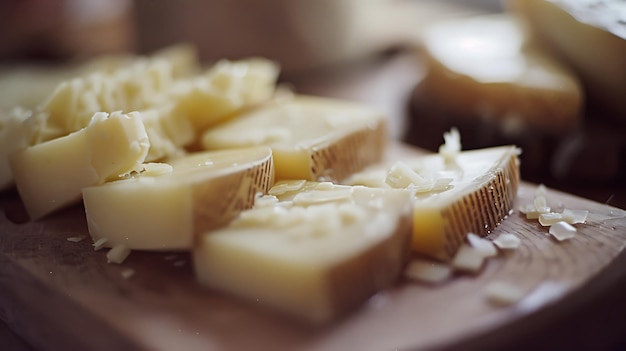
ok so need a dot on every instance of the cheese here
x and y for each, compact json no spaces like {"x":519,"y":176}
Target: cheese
{"x":486,"y":67}
{"x":225,"y":89}
{"x":313,"y":260}
{"x":17,"y":128}
{"x":479,"y":196}
{"x":51,"y":175}
{"x":590,"y":36}
{"x":311,"y":138}
{"x":163,"y":209}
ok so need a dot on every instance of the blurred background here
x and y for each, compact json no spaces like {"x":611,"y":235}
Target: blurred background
{"x":363,"y":50}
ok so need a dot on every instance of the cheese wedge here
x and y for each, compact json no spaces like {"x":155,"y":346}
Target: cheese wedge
{"x":473,"y":194}
{"x":313,"y":251}
{"x":51,"y":175}
{"x":487,"y":68}
{"x":164,"y":208}
{"x":590,"y":36}
{"x":312,"y":138}
{"x":225,"y":89}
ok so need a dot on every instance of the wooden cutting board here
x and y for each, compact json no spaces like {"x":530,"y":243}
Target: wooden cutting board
{"x":62,"y":295}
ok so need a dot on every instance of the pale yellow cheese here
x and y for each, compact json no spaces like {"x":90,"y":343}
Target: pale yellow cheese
{"x":480,"y":193}
{"x":225,"y":89}
{"x":318,"y":252}
{"x":51,"y":175}
{"x":487,"y":67}
{"x":591,"y":37}
{"x":312,"y":138}
{"x":163,"y":208}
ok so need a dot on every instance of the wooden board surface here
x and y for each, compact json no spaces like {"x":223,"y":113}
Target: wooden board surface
{"x":59,"y":294}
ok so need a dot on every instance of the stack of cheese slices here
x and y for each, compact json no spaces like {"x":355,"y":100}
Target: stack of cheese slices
{"x":280,"y":198}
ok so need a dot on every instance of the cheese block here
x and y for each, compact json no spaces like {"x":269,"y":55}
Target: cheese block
{"x":51,"y":175}
{"x":312,"y":138}
{"x":312,"y":251}
{"x":473,"y":194}
{"x":164,"y":208}
{"x":590,"y":36}
{"x":486,"y":68}
{"x":225,"y":89}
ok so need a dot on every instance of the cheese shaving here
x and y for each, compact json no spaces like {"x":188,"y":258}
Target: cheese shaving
{"x":507,"y":241}
{"x":468,"y":259}
{"x":503,"y":294}
{"x":427,"y":271}
{"x":562,"y":231}
{"x":483,"y":246}
{"x":99,"y":244}
{"x":76,"y":239}
{"x":117,"y":254}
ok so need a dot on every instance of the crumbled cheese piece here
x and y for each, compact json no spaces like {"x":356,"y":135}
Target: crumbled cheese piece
{"x":451,"y":146}
{"x":575,"y":216}
{"x":483,"y":246}
{"x":76,"y":239}
{"x":562,"y":231}
{"x":468,"y":259}
{"x":503,"y":294}
{"x":118,"y":254}
{"x":99,"y":244}
{"x":427,"y":271}
{"x":548,"y":219}
{"x":401,"y":176}
{"x":127,"y":273}
{"x":507,"y":241}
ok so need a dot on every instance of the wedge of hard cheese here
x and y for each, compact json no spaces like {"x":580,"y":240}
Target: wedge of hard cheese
{"x":311,"y":250}
{"x":472,"y":191}
{"x":486,"y":68}
{"x":590,"y":36}
{"x":312,"y":138}
{"x":165,"y":205}
{"x":51,"y":175}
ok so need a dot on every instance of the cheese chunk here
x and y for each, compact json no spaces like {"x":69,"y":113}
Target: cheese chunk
{"x":162,"y":208}
{"x":480,"y":193}
{"x":311,"y":138}
{"x":318,"y":252}
{"x":225,"y":89}
{"x":51,"y":175}
{"x":486,"y":67}
{"x":590,"y":36}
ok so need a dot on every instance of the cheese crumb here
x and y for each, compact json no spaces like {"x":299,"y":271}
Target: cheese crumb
{"x":99,"y":244}
{"x":117,"y":254}
{"x":76,"y":239}
{"x":483,"y":246}
{"x":427,"y":271}
{"x":503,"y":294}
{"x":562,"y":231}
{"x":127,"y":273}
{"x":468,"y":259}
{"x":507,"y":241}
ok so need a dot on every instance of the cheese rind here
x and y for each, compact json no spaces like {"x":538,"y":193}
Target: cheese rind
{"x":479,"y":196}
{"x":311,"y":138}
{"x":51,"y":175}
{"x":314,"y":260}
{"x":165,"y":210}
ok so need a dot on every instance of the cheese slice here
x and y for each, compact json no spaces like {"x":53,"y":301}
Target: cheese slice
{"x":315,"y":252}
{"x":486,"y":67}
{"x":312,"y":138}
{"x":479,"y":190}
{"x":590,"y":36}
{"x":163,"y":207}
{"x":51,"y":175}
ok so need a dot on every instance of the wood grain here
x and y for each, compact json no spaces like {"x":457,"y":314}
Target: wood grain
{"x":58,"y":294}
